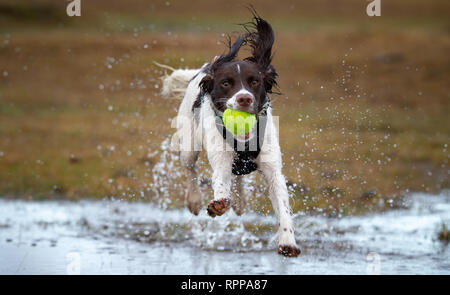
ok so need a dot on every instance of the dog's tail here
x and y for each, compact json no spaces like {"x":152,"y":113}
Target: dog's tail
{"x":175,"y":83}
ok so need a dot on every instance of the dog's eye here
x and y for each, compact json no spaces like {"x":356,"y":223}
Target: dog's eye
{"x":254,"y":82}
{"x":226,"y":84}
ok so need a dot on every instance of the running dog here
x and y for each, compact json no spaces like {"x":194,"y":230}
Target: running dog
{"x":244,"y":85}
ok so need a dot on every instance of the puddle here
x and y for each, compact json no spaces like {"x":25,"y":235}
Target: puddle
{"x":114,"y":237}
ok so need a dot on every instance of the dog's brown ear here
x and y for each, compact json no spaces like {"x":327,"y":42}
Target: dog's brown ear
{"x":207,"y":83}
{"x":229,"y":56}
{"x":270,"y":78}
{"x":260,"y":38}
{"x":261,"y":41}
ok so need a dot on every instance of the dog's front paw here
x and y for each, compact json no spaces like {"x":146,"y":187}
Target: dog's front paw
{"x":289,"y":250}
{"x":218,"y":207}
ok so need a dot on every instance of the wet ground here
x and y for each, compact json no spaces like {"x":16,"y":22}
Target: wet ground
{"x":114,"y":237}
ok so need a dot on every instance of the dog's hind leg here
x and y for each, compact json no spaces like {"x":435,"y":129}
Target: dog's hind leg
{"x":184,"y":84}
{"x":238,"y":201}
{"x":193,"y":198}
{"x":189,"y":152}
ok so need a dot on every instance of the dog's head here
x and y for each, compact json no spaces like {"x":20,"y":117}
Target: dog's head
{"x":243,"y":84}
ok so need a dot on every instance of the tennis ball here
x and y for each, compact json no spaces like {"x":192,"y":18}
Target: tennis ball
{"x":238,"y":122}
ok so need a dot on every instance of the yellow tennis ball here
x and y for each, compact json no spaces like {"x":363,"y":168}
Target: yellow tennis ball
{"x":238,"y":122}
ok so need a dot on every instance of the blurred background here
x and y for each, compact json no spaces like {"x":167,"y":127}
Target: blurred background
{"x":364,"y":109}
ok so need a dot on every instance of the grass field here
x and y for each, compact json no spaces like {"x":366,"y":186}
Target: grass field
{"x":364,"y":110}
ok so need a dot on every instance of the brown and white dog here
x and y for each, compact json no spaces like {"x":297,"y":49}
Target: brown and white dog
{"x":243,"y":85}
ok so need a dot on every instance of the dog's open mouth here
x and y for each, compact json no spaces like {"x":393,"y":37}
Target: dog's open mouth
{"x":247,"y":136}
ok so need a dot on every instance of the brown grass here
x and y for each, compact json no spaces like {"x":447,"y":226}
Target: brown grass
{"x":363,"y":114}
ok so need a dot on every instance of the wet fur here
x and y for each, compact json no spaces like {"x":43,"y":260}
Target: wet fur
{"x":193,"y":134}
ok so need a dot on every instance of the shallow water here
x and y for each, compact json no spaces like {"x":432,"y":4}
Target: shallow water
{"x":114,"y":237}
